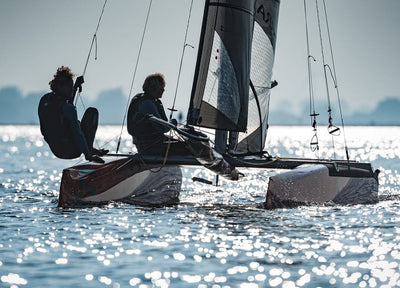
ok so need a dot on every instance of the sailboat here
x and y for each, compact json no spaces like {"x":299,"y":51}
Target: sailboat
{"x":230,"y":95}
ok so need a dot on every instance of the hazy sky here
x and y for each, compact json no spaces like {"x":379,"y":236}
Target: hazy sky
{"x":38,"y":36}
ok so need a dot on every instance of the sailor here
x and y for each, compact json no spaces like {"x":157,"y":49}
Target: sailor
{"x":67,"y":137}
{"x":148,"y":136}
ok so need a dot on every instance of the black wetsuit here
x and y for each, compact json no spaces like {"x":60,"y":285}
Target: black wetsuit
{"x":74,"y":137}
{"x":148,"y":136}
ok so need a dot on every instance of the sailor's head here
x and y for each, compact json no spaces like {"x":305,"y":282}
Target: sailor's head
{"x":63,"y":83}
{"x":154,"y":85}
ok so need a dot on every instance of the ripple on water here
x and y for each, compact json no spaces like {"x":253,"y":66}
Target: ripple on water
{"x":216,"y":237}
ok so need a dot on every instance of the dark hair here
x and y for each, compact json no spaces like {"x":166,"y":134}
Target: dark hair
{"x":152,"y":80}
{"x":62,"y":73}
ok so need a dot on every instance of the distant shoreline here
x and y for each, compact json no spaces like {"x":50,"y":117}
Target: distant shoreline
{"x":15,"y":109}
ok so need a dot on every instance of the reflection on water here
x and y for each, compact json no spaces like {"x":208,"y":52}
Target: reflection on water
{"x":216,"y":237}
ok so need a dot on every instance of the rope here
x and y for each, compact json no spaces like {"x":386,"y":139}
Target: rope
{"x":134,"y":75}
{"x":165,"y":156}
{"x":326,"y":77}
{"x":323,"y":57}
{"x":81,"y":98}
{"x":335,"y":82}
{"x":180,"y":65}
{"x":313,"y":115}
{"x":94,"y":39}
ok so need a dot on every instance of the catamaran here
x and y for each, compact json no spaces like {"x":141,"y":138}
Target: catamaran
{"x":230,"y":96}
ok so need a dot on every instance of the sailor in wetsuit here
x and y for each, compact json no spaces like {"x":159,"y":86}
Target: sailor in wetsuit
{"x":148,"y":136}
{"x":67,"y":137}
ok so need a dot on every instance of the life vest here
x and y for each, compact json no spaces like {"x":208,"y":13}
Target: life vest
{"x":50,"y":117}
{"x":137,"y":125}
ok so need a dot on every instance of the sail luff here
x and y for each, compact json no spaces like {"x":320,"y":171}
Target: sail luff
{"x":192,"y":113}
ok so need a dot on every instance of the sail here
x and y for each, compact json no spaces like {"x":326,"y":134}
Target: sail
{"x":262,"y":60}
{"x":220,"y":93}
{"x":232,"y":82}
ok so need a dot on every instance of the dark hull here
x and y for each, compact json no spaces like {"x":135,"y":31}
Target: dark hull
{"x":120,"y":179}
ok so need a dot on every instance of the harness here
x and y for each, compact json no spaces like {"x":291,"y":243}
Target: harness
{"x":137,"y":124}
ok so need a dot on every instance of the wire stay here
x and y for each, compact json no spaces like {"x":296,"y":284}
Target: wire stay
{"x":134,"y":75}
{"x":314,"y":146}
{"x":172,"y":109}
{"x":335,"y":81}
{"x":94,"y":41}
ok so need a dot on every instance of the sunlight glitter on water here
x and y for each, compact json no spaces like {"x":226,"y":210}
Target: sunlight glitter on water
{"x":216,"y":237}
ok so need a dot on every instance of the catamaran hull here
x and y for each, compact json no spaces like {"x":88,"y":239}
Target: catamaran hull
{"x":313,"y":184}
{"x":120,"y":179}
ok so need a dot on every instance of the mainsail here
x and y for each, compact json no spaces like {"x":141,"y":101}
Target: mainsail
{"x":233,"y":73}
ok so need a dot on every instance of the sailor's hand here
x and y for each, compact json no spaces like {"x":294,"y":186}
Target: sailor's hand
{"x":95,"y":158}
{"x":78,"y":84}
{"x":173,"y":121}
{"x":79,"y":81}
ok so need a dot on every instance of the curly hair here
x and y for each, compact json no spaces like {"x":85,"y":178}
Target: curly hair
{"x":152,"y":80}
{"x":62,"y":73}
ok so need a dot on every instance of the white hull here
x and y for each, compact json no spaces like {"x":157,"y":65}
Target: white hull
{"x":313,"y":184}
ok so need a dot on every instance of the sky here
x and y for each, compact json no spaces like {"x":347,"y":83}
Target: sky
{"x":38,"y":36}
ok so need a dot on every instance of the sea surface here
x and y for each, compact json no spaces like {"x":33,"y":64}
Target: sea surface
{"x":216,"y":237}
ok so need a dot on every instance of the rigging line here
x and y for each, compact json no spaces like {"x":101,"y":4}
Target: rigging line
{"x":134,"y":74}
{"x":313,"y":115}
{"x":165,"y":156}
{"x":309,"y":57}
{"x":180,"y":65}
{"x":323,"y":56}
{"x":106,"y":142}
{"x":335,"y":81}
{"x":94,"y":39}
{"x":81,"y":98}
{"x":325,"y":75}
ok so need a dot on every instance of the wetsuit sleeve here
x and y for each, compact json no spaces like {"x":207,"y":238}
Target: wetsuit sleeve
{"x":71,"y":117}
{"x":149,"y":107}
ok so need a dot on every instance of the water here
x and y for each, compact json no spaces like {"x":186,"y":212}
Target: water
{"x":216,"y":236}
